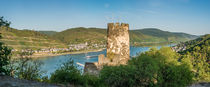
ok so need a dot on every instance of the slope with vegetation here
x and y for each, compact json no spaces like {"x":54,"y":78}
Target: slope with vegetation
{"x":137,"y":37}
{"x":50,"y":33}
{"x":167,"y":36}
{"x":28,"y":39}
{"x":82,"y":35}
{"x":197,"y":55}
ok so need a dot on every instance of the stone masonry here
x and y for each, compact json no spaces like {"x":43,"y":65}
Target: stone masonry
{"x":118,"y":43}
{"x":118,"y":49}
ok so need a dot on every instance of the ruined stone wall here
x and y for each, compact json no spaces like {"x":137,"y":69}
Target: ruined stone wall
{"x":118,"y":47}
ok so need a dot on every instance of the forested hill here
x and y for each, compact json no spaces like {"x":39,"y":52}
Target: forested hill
{"x":197,"y":55}
{"x":82,"y":35}
{"x":50,"y":33}
{"x":202,"y":42}
{"x":98,"y":35}
{"x":164,"y":34}
{"x":28,"y":39}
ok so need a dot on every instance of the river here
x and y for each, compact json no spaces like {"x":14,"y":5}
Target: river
{"x":50,"y":64}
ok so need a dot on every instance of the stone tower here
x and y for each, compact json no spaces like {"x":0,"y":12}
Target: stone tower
{"x":118,"y":47}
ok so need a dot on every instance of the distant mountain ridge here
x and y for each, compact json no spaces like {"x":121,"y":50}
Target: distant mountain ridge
{"x":50,"y":33}
{"x":29,"y":39}
{"x":98,"y":35}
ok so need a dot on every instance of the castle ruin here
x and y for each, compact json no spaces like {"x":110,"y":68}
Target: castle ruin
{"x":118,"y":48}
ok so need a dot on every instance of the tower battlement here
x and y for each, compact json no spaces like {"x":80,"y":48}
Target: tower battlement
{"x":122,"y":26}
{"x":118,"y":47}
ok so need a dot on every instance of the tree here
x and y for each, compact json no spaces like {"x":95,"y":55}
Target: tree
{"x":67,"y":73}
{"x":4,"y":22}
{"x":159,"y":68}
{"x":5,"y":53}
{"x":27,"y":68}
{"x":197,"y":56}
{"x":171,"y":75}
{"x":146,"y":70}
{"x":118,"y":76}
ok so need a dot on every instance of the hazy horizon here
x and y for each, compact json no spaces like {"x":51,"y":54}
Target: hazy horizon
{"x":187,"y":16}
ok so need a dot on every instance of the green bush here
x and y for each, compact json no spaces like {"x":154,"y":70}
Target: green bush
{"x":67,"y":73}
{"x":171,"y":75}
{"x":118,"y":76}
{"x":26,"y":68}
{"x":146,"y":70}
{"x":5,"y":53}
{"x":91,"y":80}
{"x":141,"y":71}
{"x":158,"y":68}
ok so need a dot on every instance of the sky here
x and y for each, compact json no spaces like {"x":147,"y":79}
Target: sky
{"x":189,"y":16}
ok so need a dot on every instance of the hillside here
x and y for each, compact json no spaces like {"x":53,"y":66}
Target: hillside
{"x":191,"y":45}
{"x":141,"y":36}
{"x":165,"y":35}
{"x":50,"y":33}
{"x":28,"y":39}
{"x":82,"y":35}
{"x":185,"y":35}
{"x":197,"y":55}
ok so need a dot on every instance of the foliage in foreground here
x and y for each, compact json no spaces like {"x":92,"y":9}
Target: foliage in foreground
{"x":69,"y":74}
{"x":159,"y":68}
{"x":23,"y":68}
{"x":154,"y":68}
{"x":5,"y":54}
{"x":26,"y":68}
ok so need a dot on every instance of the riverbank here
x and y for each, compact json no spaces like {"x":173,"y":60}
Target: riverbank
{"x":41,"y":55}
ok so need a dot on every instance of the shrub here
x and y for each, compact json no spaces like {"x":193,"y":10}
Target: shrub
{"x":5,"y":53}
{"x":118,"y":76}
{"x":29,"y":69}
{"x":172,"y":75}
{"x":67,"y":73}
{"x":154,"y":68}
{"x":146,"y":70}
{"x":26,"y":68}
{"x":91,"y":80}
